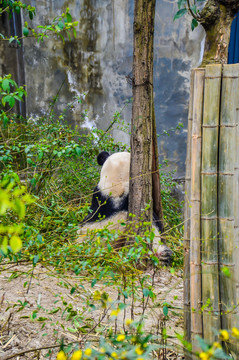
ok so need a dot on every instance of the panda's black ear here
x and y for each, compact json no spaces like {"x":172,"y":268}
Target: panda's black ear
{"x":102,"y":157}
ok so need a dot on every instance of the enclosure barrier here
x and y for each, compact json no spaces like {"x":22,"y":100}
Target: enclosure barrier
{"x":211,"y":233}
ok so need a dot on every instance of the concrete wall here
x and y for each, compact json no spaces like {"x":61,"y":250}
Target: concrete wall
{"x":98,"y":61}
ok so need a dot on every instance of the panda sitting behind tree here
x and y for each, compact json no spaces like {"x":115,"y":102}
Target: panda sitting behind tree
{"x":109,"y":206}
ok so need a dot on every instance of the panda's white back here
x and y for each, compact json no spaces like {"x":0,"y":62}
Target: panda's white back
{"x":114,"y":177}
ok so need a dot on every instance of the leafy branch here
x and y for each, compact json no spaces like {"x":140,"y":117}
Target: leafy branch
{"x":12,"y":197}
{"x":185,"y":6}
{"x":62,"y":23}
{"x":9,"y":93}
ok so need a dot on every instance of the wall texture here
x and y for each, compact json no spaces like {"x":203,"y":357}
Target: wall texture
{"x":98,"y":62}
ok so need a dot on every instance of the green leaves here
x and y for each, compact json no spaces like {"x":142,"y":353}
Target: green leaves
{"x":8,"y":99}
{"x":6,"y":84}
{"x":59,"y":24}
{"x":78,"y":151}
{"x":146,"y":292}
{"x":181,"y":3}
{"x":25,"y":31}
{"x":9,"y":94}
{"x":180,"y":13}
{"x":35,"y":259}
{"x":193,"y":10}
{"x":194,"y":24}
{"x":165,"y":310}
{"x":226,"y":271}
{"x":12,"y":198}
{"x":15,"y":243}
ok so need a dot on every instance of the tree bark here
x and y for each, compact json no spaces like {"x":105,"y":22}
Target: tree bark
{"x":140,"y":194}
{"x":216,"y":18}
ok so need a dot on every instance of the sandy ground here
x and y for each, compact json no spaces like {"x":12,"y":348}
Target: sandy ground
{"x":36,"y":310}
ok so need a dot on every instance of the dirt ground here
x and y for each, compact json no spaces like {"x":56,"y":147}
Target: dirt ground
{"x":37,"y":309}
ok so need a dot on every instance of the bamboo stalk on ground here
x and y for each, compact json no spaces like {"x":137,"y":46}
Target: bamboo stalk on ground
{"x":209,"y":180}
{"x":227,"y":152}
{"x":195,"y":256}
{"x":187,"y":215}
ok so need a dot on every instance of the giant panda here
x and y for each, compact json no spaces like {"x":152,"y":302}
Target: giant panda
{"x":109,"y":206}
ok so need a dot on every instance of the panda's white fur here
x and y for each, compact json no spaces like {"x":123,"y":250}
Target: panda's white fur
{"x":113,"y":190}
{"x":114,"y":176}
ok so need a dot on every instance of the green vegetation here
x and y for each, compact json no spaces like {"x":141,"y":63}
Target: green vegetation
{"x":185,"y":7}
{"x":48,"y":172}
{"x":60,"y":25}
{"x":100,"y":296}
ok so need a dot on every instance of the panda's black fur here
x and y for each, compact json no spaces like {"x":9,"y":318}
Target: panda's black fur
{"x":103,"y":206}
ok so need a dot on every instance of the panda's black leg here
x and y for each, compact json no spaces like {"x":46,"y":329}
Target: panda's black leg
{"x":157,"y":222}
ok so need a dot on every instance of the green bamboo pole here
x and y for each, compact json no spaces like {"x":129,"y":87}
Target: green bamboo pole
{"x":195,"y":254}
{"x":236,"y":212}
{"x":236,"y":209}
{"x":227,"y":153}
{"x":209,"y":179}
{"x":187,"y":215}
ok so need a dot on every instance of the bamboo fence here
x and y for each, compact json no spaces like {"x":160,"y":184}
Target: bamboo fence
{"x":195,"y":256}
{"x":211,"y":238}
{"x":187,"y":215}
{"x":209,"y":223}
{"x":236,"y":210}
{"x":226,"y":216}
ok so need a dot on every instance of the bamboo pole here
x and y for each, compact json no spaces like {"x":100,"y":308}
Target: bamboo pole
{"x":227,"y":152}
{"x":236,"y":212}
{"x":209,"y":179}
{"x":187,"y":215}
{"x":195,"y":256}
{"x":236,"y":208}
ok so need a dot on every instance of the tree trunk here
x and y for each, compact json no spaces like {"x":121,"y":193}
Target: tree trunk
{"x":140,"y":194}
{"x":216,"y":18}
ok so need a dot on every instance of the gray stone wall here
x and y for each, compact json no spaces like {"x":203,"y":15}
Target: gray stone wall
{"x":98,"y":61}
{"x":177,"y":50}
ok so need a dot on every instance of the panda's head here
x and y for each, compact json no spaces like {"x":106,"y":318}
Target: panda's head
{"x":114,"y":176}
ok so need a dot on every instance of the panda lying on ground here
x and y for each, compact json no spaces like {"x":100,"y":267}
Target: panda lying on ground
{"x":109,"y":205}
